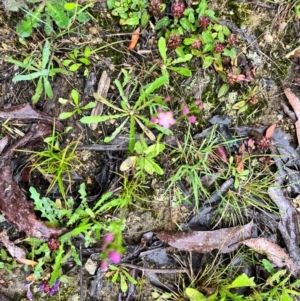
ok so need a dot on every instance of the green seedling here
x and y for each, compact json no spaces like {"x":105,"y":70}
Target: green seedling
{"x":39,"y":65}
{"x":55,"y":162}
{"x":83,"y":220}
{"x":77,"y":60}
{"x":7,"y":263}
{"x":132,"y":113}
{"x":168,"y":63}
{"x":120,"y":274}
{"x":223,"y":293}
{"x":75,"y":102}
{"x":144,"y":160}
{"x":130,"y":12}
{"x":63,"y":14}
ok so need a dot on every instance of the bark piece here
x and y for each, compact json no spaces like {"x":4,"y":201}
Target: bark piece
{"x":225,"y":240}
{"x":102,"y":90}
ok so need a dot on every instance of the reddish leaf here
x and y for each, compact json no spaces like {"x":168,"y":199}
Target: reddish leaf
{"x":134,"y":38}
{"x":270,"y":131}
{"x":226,"y":240}
{"x":221,"y":152}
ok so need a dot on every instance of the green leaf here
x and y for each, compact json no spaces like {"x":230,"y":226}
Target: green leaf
{"x":150,"y":89}
{"x":85,"y":61}
{"x":70,"y":6}
{"x":132,"y":21}
{"x":181,"y":70}
{"x":48,"y":28}
{"x":184,"y":22}
{"x":87,"y":51}
{"x":132,"y":280}
{"x":189,"y":41}
{"x":75,"y":97}
{"x":122,"y":94}
{"x":132,"y":134}
{"x":95,"y":119}
{"x":226,"y":31}
{"x":241,"y":281}
{"x":56,"y":11}
{"x":88,"y":106}
{"x":110,"y":4}
{"x":57,"y":265}
{"x":115,"y":277}
{"x":223,"y":90}
{"x":38,"y":91}
{"x":202,"y":7}
{"x":66,"y":115}
{"x":48,"y":88}
{"x":162,"y":47}
{"x":46,"y":54}
{"x":116,"y":132}
{"x":207,"y":61}
{"x":90,"y":212}
{"x":106,"y":102}
{"x":151,"y":166}
{"x":163,"y":22}
{"x":194,"y":295}
{"x":230,"y":52}
{"x":145,"y":19}
{"x":268,"y":266}
{"x":123,"y":283}
{"x":30,"y":76}
{"x":75,"y":67}
{"x":32,"y":20}
{"x":183,"y":59}
{"x":221,"y":36}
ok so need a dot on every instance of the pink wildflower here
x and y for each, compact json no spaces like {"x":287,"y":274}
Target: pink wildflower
{"x":154,"y":119}
{"x":104,"y":265}
{"x":168,"y":98}
{"x":108,"y":238}
{"x":114,"y":256}
{"x":185,"y":110}
{"x":192,"y":119}
{"x":200,"y":104}
{"x":165,"y":119}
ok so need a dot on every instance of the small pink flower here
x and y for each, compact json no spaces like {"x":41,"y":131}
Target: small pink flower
{"x":192,"y":119}
{"x":200,"y":104}
{"x":108,"y":238}
{"x":154,"y":119}
{"x":165,"y":119}
{"x":168,"y":98}
{"x":185,"y":110}
{"x":114,"y":256}
{"x":159,"y":109}
{"x":104,"y":265}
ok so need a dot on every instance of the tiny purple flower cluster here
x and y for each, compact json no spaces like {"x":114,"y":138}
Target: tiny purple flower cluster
{"x":113,"y":255}
{"x":47,"y":289}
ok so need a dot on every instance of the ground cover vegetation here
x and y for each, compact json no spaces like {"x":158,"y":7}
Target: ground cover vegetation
{"x":115,"y":135}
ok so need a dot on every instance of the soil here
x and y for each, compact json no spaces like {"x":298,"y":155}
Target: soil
{"x":267,"y":36}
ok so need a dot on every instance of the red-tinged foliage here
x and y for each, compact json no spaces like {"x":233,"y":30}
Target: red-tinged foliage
{"x":220,"y":151}
{"x":270,"y":131}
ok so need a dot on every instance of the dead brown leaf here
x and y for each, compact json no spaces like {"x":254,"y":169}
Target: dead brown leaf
{"x":295,"y":103}
{"x":274,"y":253}
{"x":134,"y":38}
{"x":225,"y":240}
{"x":15,"y":251}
